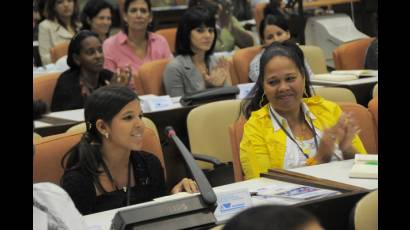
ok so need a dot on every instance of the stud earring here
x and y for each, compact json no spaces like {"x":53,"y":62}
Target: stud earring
{"x":106,"y":135}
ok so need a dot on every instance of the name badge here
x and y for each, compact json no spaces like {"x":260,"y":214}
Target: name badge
{"x":231,"y":203}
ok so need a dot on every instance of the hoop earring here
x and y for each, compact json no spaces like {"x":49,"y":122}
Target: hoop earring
{"x":305,"y":93}
{"x":261,"y":100}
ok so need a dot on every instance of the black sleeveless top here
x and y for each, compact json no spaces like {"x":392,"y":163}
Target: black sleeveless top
{"x":149,"y":184}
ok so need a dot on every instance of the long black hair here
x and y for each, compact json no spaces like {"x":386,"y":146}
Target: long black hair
{"x":194,"y":17}
{"x":52,"y":15}
{"x":256,"y":97}
{"x":103,"y":103}
{"x":276,"y":20}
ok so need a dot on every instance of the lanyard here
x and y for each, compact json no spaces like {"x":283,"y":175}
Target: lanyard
{"x":312,"y":128}
{"x":126,"y":189}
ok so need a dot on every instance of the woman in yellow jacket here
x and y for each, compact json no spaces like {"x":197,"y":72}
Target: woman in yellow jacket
{"x":286,"y":126}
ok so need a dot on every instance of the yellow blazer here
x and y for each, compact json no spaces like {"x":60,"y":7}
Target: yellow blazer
{"x":262,"y":147}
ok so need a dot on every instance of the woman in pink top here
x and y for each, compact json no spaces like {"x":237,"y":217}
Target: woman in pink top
{"x":134,"y":45}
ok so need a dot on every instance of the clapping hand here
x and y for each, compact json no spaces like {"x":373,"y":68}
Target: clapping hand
{"x":122,"y":76}
{"x":347,"y":130}
{"x":219,"y":74}
{"x":342,"y":133}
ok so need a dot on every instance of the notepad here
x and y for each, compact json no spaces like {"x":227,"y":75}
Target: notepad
{"x":334,"y":77}
{"x":365,"y":166}
{"x":360,"y":73}
{"x":345,"y":75}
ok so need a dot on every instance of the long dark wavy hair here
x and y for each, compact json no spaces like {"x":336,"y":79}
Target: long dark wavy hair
{"x":51,"y":14}
{"x":103,"y":103}
{"x":256,"y":97}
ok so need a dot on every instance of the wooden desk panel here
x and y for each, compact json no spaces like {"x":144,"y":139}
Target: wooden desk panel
{"x":319,"y":3}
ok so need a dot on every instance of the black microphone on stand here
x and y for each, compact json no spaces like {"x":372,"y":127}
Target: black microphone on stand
{"x":205,"y":188}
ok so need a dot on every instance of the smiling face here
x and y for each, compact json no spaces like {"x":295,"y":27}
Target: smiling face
{"x":273,"y":33}
{"x":101,"y":23}
{"x":64,"y":8}
{"x":138,"y":15}
{"x":283,"y":84}
{"x":202,"y":39}
{"x":127,"y":128}
{"x":91,"y":55}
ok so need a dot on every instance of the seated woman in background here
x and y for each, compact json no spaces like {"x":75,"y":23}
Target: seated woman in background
{"x":285,"y":131}
{"x":60,"y":26}
{"x":230,"y":32}
{"x":272,"y":29}
{"x":97,"y":17}
{"x":85,"y":59}
{"x":195,"y":68}
{"x":273,"y":217}
{"x":107,"y":169}
{"x":134,"y":45}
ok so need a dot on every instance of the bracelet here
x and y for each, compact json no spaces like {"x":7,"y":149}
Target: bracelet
{"x":311,"y":161}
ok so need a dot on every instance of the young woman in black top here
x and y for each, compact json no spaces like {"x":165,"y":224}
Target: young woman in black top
{"x":85,"y":59}
{"x":107,"y":168}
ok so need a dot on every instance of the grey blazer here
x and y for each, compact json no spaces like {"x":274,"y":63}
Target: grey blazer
{"x":182,"y":77}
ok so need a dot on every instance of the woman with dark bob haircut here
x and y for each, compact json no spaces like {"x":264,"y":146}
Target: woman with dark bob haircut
{"x":273,"y":217}
{"x":194,"y":68}
{"x":97,"y":17}
{"x":85,"y":59}
{"x":287,"y":127}
{"x":60,"y":26}
{"x":107,"y":169}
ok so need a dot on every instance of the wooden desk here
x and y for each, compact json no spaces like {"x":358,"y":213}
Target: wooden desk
{"x":320,"y":3}
{"x":333,"y":212}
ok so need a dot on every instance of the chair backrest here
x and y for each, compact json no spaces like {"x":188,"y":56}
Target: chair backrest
{"x":375,"y":92}
{"x":241,"y":60}
{"x":366,"y":212}
{"x":258,"y":14}
{"x":351,"y":55}
{"x":137,"y":83}
{"x":170,"y":35}
{"x":315,"y":57}
{"x":363,"y":117}
{"x":59,"y":50}
{"x":373,"y":107}
{"x":43,"y":87}
{"x":36,"y":136}
{"x":207,"y":127}
{"x":50,"y":151}
{"x":150,"y":75}
{"x":336,"y":94}
{"x":235,"y":136}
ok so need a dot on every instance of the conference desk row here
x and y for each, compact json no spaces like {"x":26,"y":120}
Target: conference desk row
{"x":333,"y":212}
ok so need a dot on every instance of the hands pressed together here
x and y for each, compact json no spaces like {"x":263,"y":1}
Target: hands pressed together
{"x":219,"y":74}
{"x":121,"y":77}
{"x":342,"y":133}
{"x":185,"y":185}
